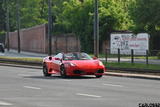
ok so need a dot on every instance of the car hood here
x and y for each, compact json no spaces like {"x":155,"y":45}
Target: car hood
{"x":86,"y":63}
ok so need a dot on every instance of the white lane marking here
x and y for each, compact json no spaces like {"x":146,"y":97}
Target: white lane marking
{"x":114,"y":85}
{"x":23,"y":75}
{"x":67,"y":80}
{"x":88,"y":95}
{"x":2,"y":103}
{"x":30,"y":87}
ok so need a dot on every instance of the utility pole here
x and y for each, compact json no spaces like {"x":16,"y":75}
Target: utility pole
{"x":96,"y":29}
{"x":49,"y":28}
{"x":7,"y":23}
{"x":18,"y":27}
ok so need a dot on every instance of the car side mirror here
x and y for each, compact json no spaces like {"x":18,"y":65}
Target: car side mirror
{"x":50,"y":58}
{"x":94,"y":58}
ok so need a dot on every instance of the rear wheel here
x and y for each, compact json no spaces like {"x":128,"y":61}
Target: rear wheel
{"x":63,"y":71}
{"x":45,"y":71}
{"x":98,"y":76}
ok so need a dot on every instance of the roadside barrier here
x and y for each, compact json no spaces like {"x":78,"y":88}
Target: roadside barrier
{"x":148,"y":56}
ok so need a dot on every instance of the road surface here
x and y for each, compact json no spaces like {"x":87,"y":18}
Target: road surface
{"x":23,"y":87}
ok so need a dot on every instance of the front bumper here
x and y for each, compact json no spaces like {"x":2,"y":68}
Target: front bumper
{"x":75,"y":71}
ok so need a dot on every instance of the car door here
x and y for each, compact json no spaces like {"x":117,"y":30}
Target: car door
{"x":57,"y":61}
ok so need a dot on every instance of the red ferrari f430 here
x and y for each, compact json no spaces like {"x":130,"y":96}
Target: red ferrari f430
{"x":72,"y":64}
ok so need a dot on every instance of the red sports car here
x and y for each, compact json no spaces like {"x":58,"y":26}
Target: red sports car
{"x":72,"y":64}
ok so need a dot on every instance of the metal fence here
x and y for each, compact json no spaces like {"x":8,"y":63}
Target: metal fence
{"x":151,"y":57}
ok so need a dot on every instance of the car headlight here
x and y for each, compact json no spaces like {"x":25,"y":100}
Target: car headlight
{"x":100,"y":63}
{"x":71,"y":64}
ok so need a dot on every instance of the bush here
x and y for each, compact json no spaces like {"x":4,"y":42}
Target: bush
{"x":158,"y":55}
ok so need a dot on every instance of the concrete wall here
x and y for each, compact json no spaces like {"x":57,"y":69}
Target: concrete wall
{"x":66,"y":43}
{"x":32,"y":39}
{"x":35,"y":39}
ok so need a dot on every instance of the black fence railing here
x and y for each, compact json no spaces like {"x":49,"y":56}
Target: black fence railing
{"x":148,"y":56}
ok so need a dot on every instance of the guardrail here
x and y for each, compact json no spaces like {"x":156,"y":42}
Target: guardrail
{"x":149,"y":58}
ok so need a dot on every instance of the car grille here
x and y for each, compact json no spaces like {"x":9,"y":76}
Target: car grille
{"x":78,"y":72}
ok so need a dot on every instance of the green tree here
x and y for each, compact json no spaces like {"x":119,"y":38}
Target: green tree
{"x":32,"y":13}
{"x":2,"y":16}
{"x":146,"y":15}
{"x":77,"y":17}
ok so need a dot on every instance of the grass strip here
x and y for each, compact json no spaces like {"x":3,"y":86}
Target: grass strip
{"x":22,"y":59}
{"x":130,"y":65}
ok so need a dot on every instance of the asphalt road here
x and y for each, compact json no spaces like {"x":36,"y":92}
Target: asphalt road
{"x":23,"y":87}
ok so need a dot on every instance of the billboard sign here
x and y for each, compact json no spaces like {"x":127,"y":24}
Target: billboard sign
{"x":127,"y":41}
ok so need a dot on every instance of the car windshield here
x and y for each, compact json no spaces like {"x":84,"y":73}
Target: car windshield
{"x":77,"y":56}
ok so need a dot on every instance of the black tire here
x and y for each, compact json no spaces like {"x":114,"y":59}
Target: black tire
{"x":98,"y":76}
{"x":45,"y":71}
{"x":63,"y":71}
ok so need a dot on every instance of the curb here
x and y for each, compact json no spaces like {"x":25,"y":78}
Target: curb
{"x":139,"y":76}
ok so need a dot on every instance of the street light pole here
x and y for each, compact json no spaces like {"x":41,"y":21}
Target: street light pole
{"x":18,"y":27}
{"x":49,"y":29}
{"x":7,"y":24}
{"x":96,"y":29}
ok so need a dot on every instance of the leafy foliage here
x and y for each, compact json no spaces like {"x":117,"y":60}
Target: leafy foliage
{"x":2,"y":17}
{"x":77,"y":16}
{"x":146,"y":14}
{"x":158,"y":55}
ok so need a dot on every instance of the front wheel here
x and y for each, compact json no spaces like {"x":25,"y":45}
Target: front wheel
{"x":45,"y":71}
{"x":98,"y":76}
